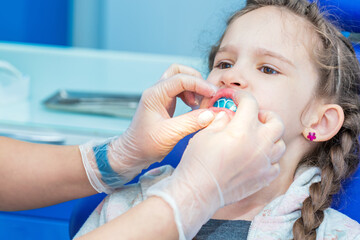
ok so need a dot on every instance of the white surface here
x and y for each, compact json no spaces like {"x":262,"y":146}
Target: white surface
{"x":53,"y":68}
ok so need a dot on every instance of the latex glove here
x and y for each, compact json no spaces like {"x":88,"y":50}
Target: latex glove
{"x":224,"y":163}
{"x":152,"y":133}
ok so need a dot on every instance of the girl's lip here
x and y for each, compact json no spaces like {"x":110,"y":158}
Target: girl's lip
{"x":217,"y":110}
{"x":224,"y":92}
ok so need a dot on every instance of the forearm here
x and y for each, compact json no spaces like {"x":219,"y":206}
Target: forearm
{"x":151,"y":219}
{"x":38,"y":175}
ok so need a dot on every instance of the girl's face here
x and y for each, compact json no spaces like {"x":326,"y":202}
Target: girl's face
{"x":267,"y":53}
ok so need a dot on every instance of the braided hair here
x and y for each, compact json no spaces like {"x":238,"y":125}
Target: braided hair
{"x":339,"y":80}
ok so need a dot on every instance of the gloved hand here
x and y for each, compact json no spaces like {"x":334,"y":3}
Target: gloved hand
{"x":152,"y":133}
{"x":224,"y":163}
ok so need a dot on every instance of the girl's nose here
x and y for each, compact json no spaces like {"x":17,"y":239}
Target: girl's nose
{"x":233,"y":79}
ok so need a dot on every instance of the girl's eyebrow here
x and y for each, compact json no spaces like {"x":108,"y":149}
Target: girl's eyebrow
{"x":265,"y":52}
{"x":259,"y":51}
{"x":227,"y":48}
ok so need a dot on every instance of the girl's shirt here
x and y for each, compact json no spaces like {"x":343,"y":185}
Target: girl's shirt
{"x":275,"y":221}
{"x":224,"y":229}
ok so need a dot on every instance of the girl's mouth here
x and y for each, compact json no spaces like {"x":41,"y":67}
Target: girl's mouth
{"x":227,"y":103}
{"x":224,"y":99}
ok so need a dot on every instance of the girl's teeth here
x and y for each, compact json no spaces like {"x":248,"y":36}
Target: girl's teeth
{"x":225,"y":103}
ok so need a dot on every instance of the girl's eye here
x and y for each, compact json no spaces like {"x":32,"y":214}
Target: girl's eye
{"x":268,"y":70}
{"x":224,"y":65}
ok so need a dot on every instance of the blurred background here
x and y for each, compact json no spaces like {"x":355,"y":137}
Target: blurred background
{"x":163,"y":27}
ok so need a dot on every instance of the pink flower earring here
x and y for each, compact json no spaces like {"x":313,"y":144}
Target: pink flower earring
{"x":311,"y":136}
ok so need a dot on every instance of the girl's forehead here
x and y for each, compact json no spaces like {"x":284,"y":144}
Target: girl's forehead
{"x":271,"y":28}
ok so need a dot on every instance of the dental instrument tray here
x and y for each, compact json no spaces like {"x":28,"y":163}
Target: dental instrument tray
{"x":110,"y":104}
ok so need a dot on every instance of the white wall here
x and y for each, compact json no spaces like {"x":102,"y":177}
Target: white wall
{"x":186,"y":27}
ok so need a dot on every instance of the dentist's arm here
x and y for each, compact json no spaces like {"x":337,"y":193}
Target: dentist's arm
{"x":61,"y":177}
{"x":38,"y":175}
{"x":35,"y":175}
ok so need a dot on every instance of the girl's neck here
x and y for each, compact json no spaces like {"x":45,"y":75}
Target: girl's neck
{"x":248,"y":208}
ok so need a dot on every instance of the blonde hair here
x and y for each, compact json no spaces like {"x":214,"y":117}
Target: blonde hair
{"x":339,"y":79}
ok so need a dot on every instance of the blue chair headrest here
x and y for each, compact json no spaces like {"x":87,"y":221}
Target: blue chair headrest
{"x":346,"y":13}
{"x":357,"y":51}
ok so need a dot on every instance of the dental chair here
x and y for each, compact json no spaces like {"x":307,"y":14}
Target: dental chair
{"x":347,"y":202}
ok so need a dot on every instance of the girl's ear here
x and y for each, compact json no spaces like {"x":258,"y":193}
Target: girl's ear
{"x":327,"y":123}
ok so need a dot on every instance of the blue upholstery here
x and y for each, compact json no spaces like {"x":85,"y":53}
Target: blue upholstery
{"x":346,"y":12}
{"x":82,"y":210}
{"x":348,"y":201}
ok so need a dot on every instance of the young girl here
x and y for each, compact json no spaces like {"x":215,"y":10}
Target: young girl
{"x":297,"y":64}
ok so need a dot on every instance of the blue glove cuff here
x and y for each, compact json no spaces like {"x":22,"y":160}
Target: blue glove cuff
{"x":108,"y":175}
